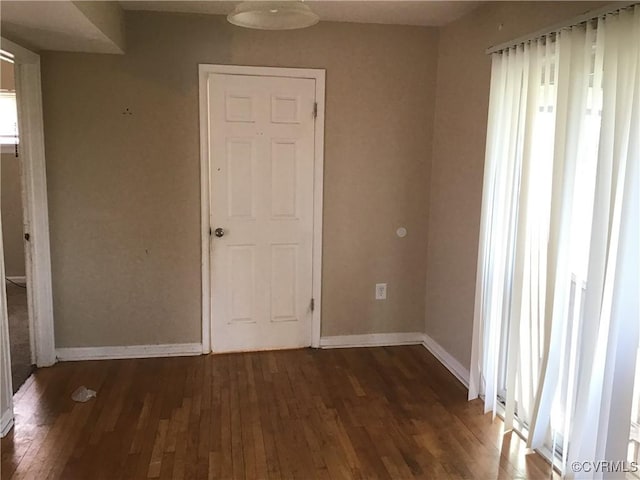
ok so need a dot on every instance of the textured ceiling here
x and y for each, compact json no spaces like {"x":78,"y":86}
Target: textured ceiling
{"x":428,"y":13}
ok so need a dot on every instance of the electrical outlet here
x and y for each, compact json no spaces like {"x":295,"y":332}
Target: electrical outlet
{"x":381,"y":291}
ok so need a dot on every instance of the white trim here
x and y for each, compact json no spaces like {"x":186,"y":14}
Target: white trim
{"x":20,"y":54}
{"x":451,"y":364}
{"x":133,"y":351}
{"x":20,"y":280}
{"x":318,"y":199}
{"x":36,"y":212}
{"x":6,"y":387}
{"x":6,"y":424}
{"x":204,"y":70}
{"x":205,"y":215}
{"x":373,"y":340}
{"x":317,"y":74}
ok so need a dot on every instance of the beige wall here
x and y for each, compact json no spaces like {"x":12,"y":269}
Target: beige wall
{"x":124,"y":189}
{"x":108,"y":17}
{"x":11,"y":199}
{"x":7,"y":76}
{"x":11,"y":207}
{"x":460,"y":123}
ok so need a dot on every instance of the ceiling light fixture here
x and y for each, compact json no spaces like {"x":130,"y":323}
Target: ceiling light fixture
{"x":266,"y":15}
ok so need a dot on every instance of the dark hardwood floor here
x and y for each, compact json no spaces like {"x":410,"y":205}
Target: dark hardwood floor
{"x":390,"y":412}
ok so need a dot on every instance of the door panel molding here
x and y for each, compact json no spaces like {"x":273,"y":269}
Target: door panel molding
{"x":285,"y":115}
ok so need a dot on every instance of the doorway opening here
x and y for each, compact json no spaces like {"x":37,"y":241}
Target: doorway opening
{"x":11,"y":209}
{"x":26,"y":271}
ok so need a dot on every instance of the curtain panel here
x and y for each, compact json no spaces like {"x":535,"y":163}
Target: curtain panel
{"x":556,"y":319}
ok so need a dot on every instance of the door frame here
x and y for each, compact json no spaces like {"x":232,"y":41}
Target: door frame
{"x":204,"y":71}
{"x":35,"y":205}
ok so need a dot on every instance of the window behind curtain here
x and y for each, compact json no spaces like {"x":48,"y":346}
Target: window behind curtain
{"x":540,"y":178}
{"x":557,"y":317}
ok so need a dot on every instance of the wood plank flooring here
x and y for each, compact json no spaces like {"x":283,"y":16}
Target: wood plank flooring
{"x":390,"y":412}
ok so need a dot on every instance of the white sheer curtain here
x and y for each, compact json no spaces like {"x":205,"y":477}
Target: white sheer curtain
{"x":556,"y":317}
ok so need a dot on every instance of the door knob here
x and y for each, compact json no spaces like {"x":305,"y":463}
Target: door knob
{"x":219,"y":232}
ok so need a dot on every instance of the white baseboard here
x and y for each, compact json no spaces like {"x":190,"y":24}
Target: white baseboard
{"x":372,"y":340}
{"x":453,"y":365}
{"x":19,"y":280}
{"x":6,"y":424}
{"x":340,"y":341}
{"x":133,"y":351}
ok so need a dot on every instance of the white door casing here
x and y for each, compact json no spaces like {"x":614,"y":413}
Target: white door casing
{"x":262,"y":167}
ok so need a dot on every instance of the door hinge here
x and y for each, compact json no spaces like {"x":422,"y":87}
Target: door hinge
{"x":313,"y":304}
{"x":315,"y":109}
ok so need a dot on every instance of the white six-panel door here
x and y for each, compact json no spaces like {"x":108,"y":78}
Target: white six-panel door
{"x":262,"y":192}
